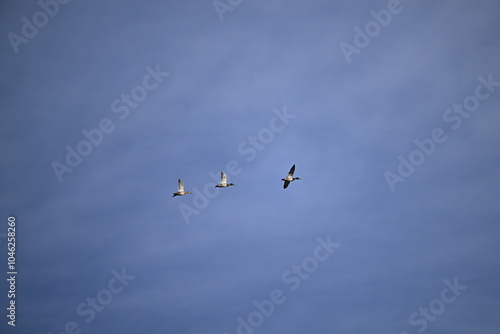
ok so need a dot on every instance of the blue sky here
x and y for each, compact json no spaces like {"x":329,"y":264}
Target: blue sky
{"x":109,"y":230}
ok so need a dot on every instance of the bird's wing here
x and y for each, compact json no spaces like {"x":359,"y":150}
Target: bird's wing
{"x":292,"y":170}
{"x":223,"y":178}
{"x":181,"y":185}
{"x":285,"y":185}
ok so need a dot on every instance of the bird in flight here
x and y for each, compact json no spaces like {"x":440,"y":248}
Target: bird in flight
{"x":289,"y":178}
{"x":223,"y":181}
{"x":180,"y":189}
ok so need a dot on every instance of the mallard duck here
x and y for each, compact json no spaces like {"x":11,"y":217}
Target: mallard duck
{"x":180,"y":190}
{"x":289,"y":178}
{"x":223,"y":181}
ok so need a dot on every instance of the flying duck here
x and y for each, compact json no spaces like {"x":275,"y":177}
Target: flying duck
{"x":223,"y":181}
{"x":180,"y":190}
{"x":289,"y":178}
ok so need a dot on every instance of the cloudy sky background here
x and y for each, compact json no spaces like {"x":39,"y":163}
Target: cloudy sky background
{"x":352,"y":121}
